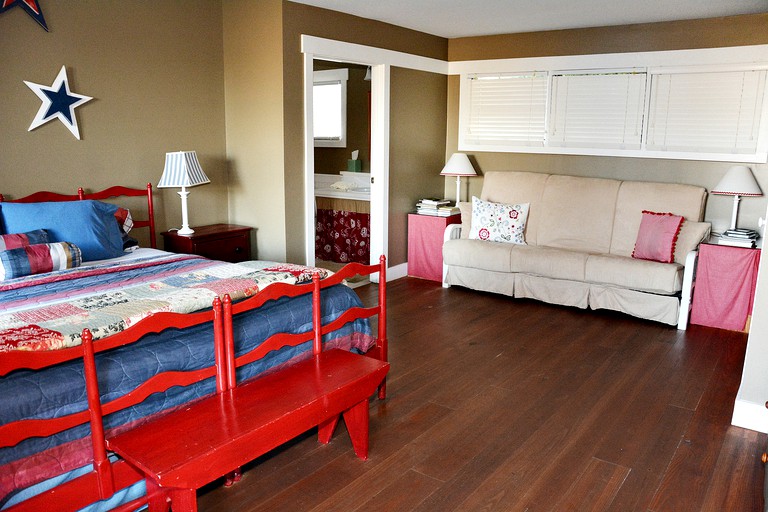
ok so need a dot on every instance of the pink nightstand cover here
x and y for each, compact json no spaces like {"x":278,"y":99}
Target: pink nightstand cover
{"x":725,"y":286}
{"x":425,"y":245}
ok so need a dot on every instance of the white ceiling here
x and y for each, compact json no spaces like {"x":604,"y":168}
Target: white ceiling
{"x":464,"y":18}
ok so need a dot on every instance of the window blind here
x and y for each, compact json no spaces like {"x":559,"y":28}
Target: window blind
{"x":715,"y":112}
{"x":597,"y":110}
{"x":507,"y":109}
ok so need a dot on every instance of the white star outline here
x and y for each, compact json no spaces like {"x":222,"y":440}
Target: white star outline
{"x":41,"y":118}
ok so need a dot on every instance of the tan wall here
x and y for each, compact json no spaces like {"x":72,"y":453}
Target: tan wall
{"x":301,"y":19}
{"x":417,"y":133}
{"x":731,"y":31}
{"x":253,"y":71}
{"x":157,"y":83}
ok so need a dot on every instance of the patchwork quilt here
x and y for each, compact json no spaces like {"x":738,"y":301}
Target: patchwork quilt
{"x":49,"y":311}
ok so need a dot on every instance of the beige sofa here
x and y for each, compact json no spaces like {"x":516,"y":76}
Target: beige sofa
{"x":580,"y":234}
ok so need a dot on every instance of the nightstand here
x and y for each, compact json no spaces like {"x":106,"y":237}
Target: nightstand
{"x":425,"y":245}
{"x":725,"y":286}
{"x":225,"y":242}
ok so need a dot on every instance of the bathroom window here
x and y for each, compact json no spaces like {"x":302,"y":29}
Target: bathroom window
{"x":329,"y":107}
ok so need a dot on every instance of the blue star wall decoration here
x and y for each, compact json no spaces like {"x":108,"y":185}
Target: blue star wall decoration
{"x":58,"y":102}
{"x":31,"y":6}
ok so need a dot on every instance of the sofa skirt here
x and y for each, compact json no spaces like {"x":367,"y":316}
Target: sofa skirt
{"x":649,"y":306}
{"x":481,"y":280}
{"x":660,"y":308}
{"x":553,"y":291}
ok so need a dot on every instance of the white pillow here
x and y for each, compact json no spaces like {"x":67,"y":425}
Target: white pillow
{"x":498,"y":222}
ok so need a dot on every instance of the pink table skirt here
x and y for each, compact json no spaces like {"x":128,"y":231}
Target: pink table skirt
{"x":725,"y":286}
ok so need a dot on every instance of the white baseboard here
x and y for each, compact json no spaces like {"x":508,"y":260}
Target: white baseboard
{"x":397,"y":271}
{"x":750,"y":415}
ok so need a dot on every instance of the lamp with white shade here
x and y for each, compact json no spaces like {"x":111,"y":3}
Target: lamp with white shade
{"x":458,"y":165}
{"x":738,"y":181}
{"x":182,"y":169}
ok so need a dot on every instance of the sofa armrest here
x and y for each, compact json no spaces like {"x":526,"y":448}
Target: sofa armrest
{"x":452,"y":232}
{"x":687,"y":292}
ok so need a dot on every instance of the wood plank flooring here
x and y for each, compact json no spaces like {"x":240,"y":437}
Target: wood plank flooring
{"x":500,"y":404}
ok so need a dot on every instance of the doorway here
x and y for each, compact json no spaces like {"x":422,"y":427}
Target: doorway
{"x":379,"y":144}
{"x":342,"y":130}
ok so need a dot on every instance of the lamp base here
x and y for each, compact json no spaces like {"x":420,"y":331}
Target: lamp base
{"x":185,"y":231}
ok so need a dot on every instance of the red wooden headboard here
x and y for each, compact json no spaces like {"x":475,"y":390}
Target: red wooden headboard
{"x":111,"y":192}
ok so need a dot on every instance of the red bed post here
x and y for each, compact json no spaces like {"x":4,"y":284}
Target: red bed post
{"x":382,"y":334}
{"x":229,"y":343}
{"x":317,"y":317}
{"x":151,"y":210}
{"x":101,"y":464}
{"x":218,"y":347}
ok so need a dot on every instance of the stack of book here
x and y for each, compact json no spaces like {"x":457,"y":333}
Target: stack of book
{"x":436,"y":207}
{"x":739,"y":238}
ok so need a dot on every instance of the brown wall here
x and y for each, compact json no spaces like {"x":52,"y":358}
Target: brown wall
{"x":157,"y":83}
{"x":675,"y":35}
{"x":417,"y":135}
{"x":718,"y":32}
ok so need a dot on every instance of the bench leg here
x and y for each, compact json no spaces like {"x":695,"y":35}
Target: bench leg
{"x":326,"y":428}
{"x":233,"y":477}
{"x":183,"y":500}
{"x":157,"y":499}
{"x":383,"y":389}
{"x":356,"y":419}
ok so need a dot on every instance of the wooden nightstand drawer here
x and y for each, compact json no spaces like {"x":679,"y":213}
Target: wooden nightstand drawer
{"x":225,"y":242}
{"x":234,"y":249}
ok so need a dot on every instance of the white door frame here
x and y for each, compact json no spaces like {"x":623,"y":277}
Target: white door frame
{"x":380,"y":61}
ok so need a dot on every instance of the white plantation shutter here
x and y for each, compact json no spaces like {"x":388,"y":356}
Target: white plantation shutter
{"x":597,"y":110}
{"x":713,"y":112}
{"x":507,"y":109}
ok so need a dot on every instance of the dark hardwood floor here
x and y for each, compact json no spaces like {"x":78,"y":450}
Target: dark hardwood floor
{"x":499,"y":404}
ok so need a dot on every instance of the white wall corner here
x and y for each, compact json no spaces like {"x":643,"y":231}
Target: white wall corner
{"x":750,"y":415}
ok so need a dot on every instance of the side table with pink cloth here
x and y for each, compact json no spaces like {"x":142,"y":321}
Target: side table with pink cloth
{"x":425,"y":244}
{"x":725,"y":286}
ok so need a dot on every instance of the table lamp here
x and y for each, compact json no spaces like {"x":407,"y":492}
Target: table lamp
{"x":182,"y":169}
{"x":458,"y":165}
{"x":738,"y":181}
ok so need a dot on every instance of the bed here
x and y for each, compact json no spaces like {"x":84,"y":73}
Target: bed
{"x":43,"y":313}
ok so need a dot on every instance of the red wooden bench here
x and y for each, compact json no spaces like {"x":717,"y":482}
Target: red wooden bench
{"x":107,"y":476}
{"x":182,"y":450}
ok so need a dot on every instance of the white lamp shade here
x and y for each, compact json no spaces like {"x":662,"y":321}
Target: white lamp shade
{"x":182,"y":169}
{"x":738,"y":181}
{"x":458,"y":165}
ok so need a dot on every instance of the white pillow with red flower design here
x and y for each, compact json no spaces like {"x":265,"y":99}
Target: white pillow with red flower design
{"x":498,"y":222}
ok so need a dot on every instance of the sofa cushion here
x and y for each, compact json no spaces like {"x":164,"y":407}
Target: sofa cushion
{"x":514,"y":187}
{"x":635,"y":196}
{"x":466,"y":218}
{"x":480,"y":254}
{"x":498,"y":222}
{"x":643,"y":275}
{"x":577,"y":213}
{"x":657,"y":237}
{"x":549,"y":262}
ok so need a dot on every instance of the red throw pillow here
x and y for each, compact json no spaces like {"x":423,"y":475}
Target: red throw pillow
{"x":657,"y":237}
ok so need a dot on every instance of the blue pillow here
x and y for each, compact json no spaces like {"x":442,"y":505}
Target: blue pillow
{"x":89,"y":224}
